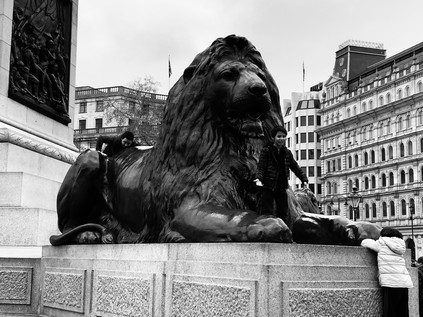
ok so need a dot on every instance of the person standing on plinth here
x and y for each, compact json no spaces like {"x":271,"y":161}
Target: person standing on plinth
{"x":272,"y":175}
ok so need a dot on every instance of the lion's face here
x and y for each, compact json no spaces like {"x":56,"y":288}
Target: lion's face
{"x":238,"y":93}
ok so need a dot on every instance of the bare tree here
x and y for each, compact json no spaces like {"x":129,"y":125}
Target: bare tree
{"x":136,"y":110}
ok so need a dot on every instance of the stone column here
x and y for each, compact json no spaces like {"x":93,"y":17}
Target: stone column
{"x":36,"y":140}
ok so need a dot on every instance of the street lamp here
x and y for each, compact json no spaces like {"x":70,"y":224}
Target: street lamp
{"x":355,"y":199}
{"x":413,"y":250}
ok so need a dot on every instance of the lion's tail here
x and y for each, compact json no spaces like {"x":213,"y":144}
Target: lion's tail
{"x":68,"y":236}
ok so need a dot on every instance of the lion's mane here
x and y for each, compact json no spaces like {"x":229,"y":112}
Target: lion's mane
{"x":196,"y":153}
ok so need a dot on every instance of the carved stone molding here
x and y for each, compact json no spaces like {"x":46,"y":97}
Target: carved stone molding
{"x":7,"y":136}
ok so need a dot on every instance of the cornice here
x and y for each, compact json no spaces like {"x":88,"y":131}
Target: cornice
{"x":8,"y":136}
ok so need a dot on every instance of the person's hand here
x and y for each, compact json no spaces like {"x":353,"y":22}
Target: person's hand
{"x":102,"y":153}
{"x":258,"y":183}
{"x":305,"y":185}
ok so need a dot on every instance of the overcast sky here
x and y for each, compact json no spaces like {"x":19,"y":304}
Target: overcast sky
{"x":120,"y":41}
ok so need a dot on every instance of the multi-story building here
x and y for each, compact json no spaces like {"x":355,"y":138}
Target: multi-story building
{"x":372,"y":137}
{"x":91,"y":120}
{"x":301,"y":119}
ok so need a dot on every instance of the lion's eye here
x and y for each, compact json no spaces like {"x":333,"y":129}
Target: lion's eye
{"x":228,"y":75}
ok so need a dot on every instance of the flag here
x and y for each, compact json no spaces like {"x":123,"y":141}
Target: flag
{"x":303,"y":72}
{"x":170,"y":68}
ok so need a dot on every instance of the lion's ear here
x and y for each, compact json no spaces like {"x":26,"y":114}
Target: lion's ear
{"x":188,"y":73}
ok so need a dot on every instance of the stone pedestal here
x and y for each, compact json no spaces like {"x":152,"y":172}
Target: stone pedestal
{"x":35,"y":152}
{"x":213,"y":279}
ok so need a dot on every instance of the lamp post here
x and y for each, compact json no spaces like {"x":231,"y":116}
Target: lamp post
{"x":355,"y":199}
{"x":413,"y":250}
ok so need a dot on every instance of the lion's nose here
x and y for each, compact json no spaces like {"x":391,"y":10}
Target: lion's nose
{"x":257,"y":89}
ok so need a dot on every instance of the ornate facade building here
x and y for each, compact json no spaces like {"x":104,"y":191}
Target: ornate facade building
{"x":91,"y":120}
{"x":372,"y":138}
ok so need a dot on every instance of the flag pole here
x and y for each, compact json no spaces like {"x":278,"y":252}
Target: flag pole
{"x":170,"y":72}
{"x":303,"y":78}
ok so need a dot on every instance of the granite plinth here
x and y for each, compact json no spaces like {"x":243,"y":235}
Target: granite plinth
{"x":213,"y":279}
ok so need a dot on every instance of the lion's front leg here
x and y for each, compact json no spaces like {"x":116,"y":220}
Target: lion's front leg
{"x":210,"y":223}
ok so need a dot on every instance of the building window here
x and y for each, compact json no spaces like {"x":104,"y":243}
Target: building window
{"x":402,"y":150}
{"x":83,"y":107}
{"x":411,"y":205}
{"x":328,"y":187}
{"x":348,"y":112}
{"x":311,"y":171}
{"x":303,"y":137}
{"x":339,"y":164}
{"x":319,"y":171}
{"x":311,"y":137}
{"x":354,"y":110}
{"x":391,"y":152}
{"x":391,"y":179}
{"x":392,"y":205}
{"x":319,"y":189}
{"x":350,"y":161}
{"x":357,"y":183}
{"x":82,"y":124}
{"x":356,"y":160}
{"x":383,"y":180}
{"x":384,"y":210}
{"x":370,"y":104}
{"x":303,"y":154}
{"x":374,"y":211}
{"x":411,"y":175}
{"x":296,"y":138}
{"x":383,"y":156}
{"x":99,"y":107}
{"x":311,"y":120}
{"x":366,"y":183}
{"x":400,"y":126}
{"x":311,"y":154}
{"x":381,"y":101}
{"x":407,"y":91}
{"x":402,"y":177}
{"x":373,"y":181}
{"x":399,"y":93}
{"x":363,"y":107}
{"x":388,"y":98}
{"x":421,"y":145}
{"x":420,"y":116}
{"x":131,"y":106}
{"x":303,"y":121}
{"x":373,"y":156}
{"x":410,"y":148}
{"x":367,"y":211}
{"x":366,"y":158}
{"x":145,"y":108}
{"x":98,"y":123}
{"x":403,"y":207}
{"x":318,"y":120}
{"x":419,"y":86}
{"x":319,"y":153}
{"x":350,"y":185}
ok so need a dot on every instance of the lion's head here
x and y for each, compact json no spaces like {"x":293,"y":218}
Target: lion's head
{"x":225,"y":97}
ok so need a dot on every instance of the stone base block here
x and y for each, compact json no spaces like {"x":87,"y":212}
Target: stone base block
{"x":21,"y":226}
{"x":226,"y":279}
{"x":26,"y":190}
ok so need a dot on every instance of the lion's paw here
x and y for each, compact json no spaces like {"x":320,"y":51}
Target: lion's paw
{"x":269,"y":229}
{"x":88,"y":237}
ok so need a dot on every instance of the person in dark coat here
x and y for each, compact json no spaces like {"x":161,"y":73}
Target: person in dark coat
{"x":272,"y":175}
{"x":115,"y":144}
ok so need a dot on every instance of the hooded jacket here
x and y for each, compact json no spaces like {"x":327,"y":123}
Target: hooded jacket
{"x":390,"y":260}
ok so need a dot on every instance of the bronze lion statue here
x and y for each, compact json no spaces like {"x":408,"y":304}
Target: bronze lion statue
{"x":196,"y":184}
